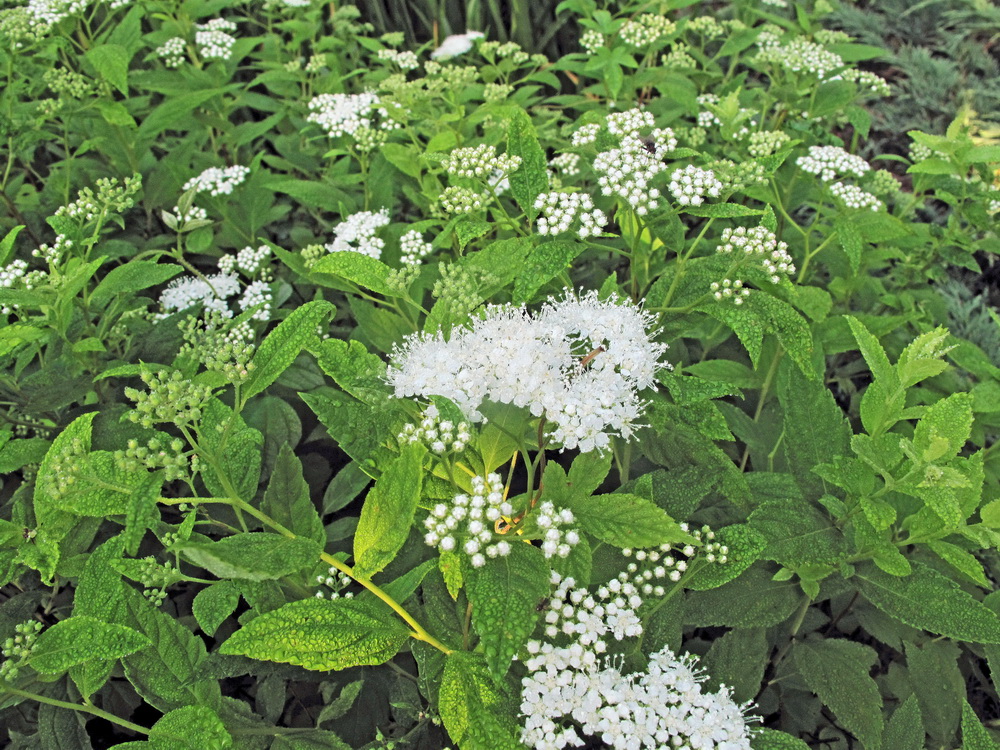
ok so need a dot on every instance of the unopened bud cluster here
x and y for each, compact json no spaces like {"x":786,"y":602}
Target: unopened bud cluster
{"x":159,"y":454}
{"x":169,"y":398}
{"x":646,"y":29}
{"x":218,"y":181}
{"x":761,"y":245}
{"x":480,"y":162}
{"x":363,"y":117}
{"x":357,"y":233}
{"x":668,"y":561}
{"x":213,"y":40}
{"x":855,"y":197}
{"x":155,"y":577}
{"x":66,"y":469}
{"x":560,"y":211}
{"x":467,"y":524}
{"x":228,"y":350}
{"x":172,"y":52}
{"x":590,"y":618}
{"x":17,"y":649}
{"x":461,"y":200}
{"x":830,"y":162}
{"x":691,"y":185}
{"x":111,"y":196}
{"x":766,"y":142}
{"x":566,"y":164}
{"x":441,"y":436}
{"x":413,"y":248}
{"x":729,"y":289}
{"x":404,"y":60}
{"x":336,"y":581}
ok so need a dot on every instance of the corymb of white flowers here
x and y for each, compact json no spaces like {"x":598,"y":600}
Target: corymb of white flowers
{"x":580,"y":362}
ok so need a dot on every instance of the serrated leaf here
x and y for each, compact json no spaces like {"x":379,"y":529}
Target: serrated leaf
{"x":588,"y":471}
{"x":872,"y":351}
{"x":190,"y":728}
{"x":359,"y":429}
{"x":320,"y":634}
{"x":531,"y":177}
{"x":255,"y":555}
{"x":353,"y":368}
{"x":388,"y":512}
{"x":838,"y":672}
{"x":850,"y":241}
{"x":282,"y":345}
{"x":132,"y":277}
{"x":505,"y":593}
{"x":974,"y":734}
{"x":212,"y":605}
{"x":624,"y":520}
{"x":961,"y":560}
{"x":365,"y":271}
{"x":81,"y":638}
{"x":944,"y":428}
{"x":905,"y":730}
{"x":287,"y":501}
{"x":745,"y":547}
{"x":738,"y":659}
{"x":797,"y":533}
{"x":17,"y":453}
{"x":474,"y":711}
{"x":750,"y":601}
{"x":238,"y":457}
{"x":938,"y":684}
{"x":772,"y":739}
{"x":926,"y":599}
{"x":722,"y":211}
{"x":544,"y":263}
{"x":788,"y":325}
{"x":111,"y":63}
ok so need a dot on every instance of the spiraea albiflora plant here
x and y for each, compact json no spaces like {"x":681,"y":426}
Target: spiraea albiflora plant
{"x":366,"y":394}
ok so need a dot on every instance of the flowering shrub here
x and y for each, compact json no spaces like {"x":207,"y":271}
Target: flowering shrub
{"x":364,"y":396}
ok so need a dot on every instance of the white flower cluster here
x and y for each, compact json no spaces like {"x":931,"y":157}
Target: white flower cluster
{"x":48,"y":12}
{"x":172,"y":52}
{"x":361,"y":116}
{"x":413,"y":248}
{"x":801,"y":56}
{"x":760,"y":244}
{"x":192,"y":214}
{"x":560,"y":210}
{"x":479,"y":161}
{"x":456,"y":44}
{"x":211,"y":291}
{"x":357,"y":233}
{"x":54,"y":254}
{"x":592,"y":40}
{"x":706,"y":117}
{"x":653,"y":565}
{"x":729,"y":289}
{"x":580,"y":361}
{"x":585,"y":134}
{"x":690,"y":185}
{"x":855,"y":197}
{"x":213,"y":41}
{"x":461,"y":200}
{"x":571,"y":694}
{"x":441,"y":436}
{"x":257,"y":295}
{"x":829,"y":162}
{"x":556,"y":541}
{"x":12,"y":274}
{"x":485,"y":506}
{"x":405,"y":60}
{"x":590,"y":618}
{"x":766,"y":142}
{"x":216,"y":181}
{"x":567,"y":164}
{"x":627,"y":172}
{"x":646,"y":29}
{"x":249,"y":260}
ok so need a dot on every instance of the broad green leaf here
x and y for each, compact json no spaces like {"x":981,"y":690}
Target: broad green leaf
{"x":738,"y":659}
{"x":7,"y":245}
{"x":961,"y":560}
{"x":838,"y":672}
{"x":905,"y":730}
{"x":722,"y":211}
{"x":531,"y":177}
{"x":287,"y":500}
{"x":237,"y":449}
{"x":61,"y":729}
{"x":816,"y":430}
{"x":360,"y":269}
{"x":388,"y":512}
{"x":256,"y":555}
{"x":505,"y":593}
{"x":360,"y":430}
{"x":588,"y":471}
{"x":938,"y":684}
{"x":353,"y":368}
{"x":850,"y":241}
{"x":111,"y":63}
{"x":944,"y":428}
{"x":624,"y":520}
{"x":317,"y":739}
{"x":142,"y":512}
{"x":748,"y":329}
{"x":750,"y":601}
{"x":213,"y":604}
{"x":81,"y":638}
{"x":545,"y":262}
{"x":974,"y":734}
{"x":17,"y":453}
{"x":404,"y":157}
{"x":797,"y":533}
{"x":282,"y":345}
{"x":320,"y":634}
{"x":926,"y":599}
{"x":872,"y":351}
{"x":772,"y":739}
{"x":132,"y":277}
{"x":475,"y":712}
{"x":788,"y":325}
{"x":190,"y":728}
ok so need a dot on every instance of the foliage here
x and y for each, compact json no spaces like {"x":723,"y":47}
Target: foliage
{"x":353,"y":390}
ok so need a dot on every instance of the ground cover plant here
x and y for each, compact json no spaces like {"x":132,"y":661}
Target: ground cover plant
{"x":358,"y":394}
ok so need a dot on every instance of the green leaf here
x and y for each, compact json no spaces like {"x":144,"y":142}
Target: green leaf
{"x":738,"y":659}
{"x":388,"y":512}
{"x":7,"y":245}
{"x":545,"y":262}
{"x":961,"y":560}
{"x":624,"y":520}
{"x":237,"y":449}
{"x":190,"y":728}
{"x":938,"y":684}
{"x":905,"y":730}
{"x":926,"y":599}
{"x":750,"y":601}
{"x":838,"y":672}
{"x":19,"y":452}
{"x":353,"y":368}
{"x":722,"y":211}
{"x":212,"y":605}
{"x":79,"y":639}
{"x":132,"y":277}
{"x":772,"y":739}
{"x":320,"y":634}
{"x":944,"y":428}
{"x":474,"y":711}
{"x":974,"y":734}
{"x":287,"y":500}
{"x":505,"y":594}
{"x":745,"y":547}
{"x":788,"y":325}
{"x":872,"y":351}
{"x":282,"y":345}
{"x":256,"y":555}
{"x":797,"y":533}
{"x":588,"y":471}
{"x":850,"y":241}
{"x":531,"y":177}
{"x":404,"y":157}
{"x":60,"y":729}
{"x":816,"y":430}
{"x":111,"y":63}
{"x":358,"y":268}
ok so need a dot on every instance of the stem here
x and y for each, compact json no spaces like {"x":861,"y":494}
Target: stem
{"x":93,"y":710}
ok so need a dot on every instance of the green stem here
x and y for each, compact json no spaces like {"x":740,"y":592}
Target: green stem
{"x":93,"y":710}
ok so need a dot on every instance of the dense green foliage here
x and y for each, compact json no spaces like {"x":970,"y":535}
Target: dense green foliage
{"x":285,"y":296}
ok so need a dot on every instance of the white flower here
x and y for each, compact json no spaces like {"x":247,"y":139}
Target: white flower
{"x":211,"y":291}
{"x":456,"y":44}
{"x":357,"y":233}
{"x":257,"y":295}
{"x":855,"y":197}
{"x":831,"y":161}
{"x":560,"y":210}
{"x":480,"y":161}
{"x":212,"y":40}
{"x":216,"y":181}
{"x":690,"y":185}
